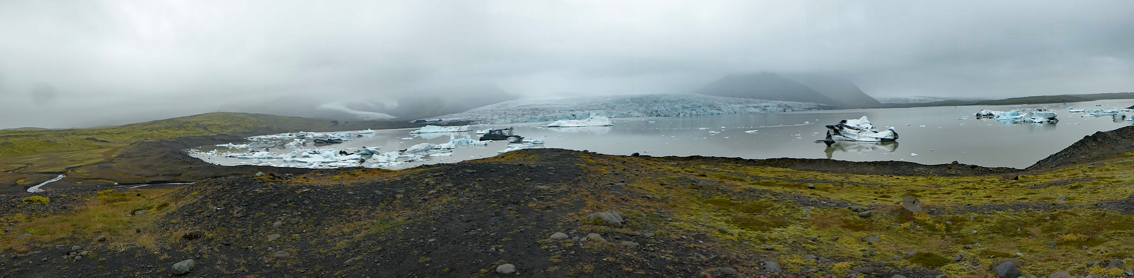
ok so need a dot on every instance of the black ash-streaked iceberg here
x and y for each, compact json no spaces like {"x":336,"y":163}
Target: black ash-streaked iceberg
{"x":858,"y":130}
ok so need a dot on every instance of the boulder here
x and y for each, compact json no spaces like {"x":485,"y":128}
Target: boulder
{"x":1008,"y":269}
{"x":772,"y":267}
{"x":506,"y":269}
{"x":610,"y":217}
{"x":558,"y":236}
{"x":911,"y":204}
{"x":1060,"y":274}
{"x":1116,"y":264}
{"x":183,"y":267}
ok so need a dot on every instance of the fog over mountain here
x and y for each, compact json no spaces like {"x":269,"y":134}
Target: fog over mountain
{"x":86,"y":63}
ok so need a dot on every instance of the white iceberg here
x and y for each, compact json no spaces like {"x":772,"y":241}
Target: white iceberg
{"x":592,"y":121}
{"x":441,"y":129}
{"x":859,"y":130}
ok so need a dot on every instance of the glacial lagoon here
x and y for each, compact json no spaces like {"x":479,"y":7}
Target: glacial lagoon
{"x":928,"y":135}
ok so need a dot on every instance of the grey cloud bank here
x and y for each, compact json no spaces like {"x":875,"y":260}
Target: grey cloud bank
{"x":87,"y":63}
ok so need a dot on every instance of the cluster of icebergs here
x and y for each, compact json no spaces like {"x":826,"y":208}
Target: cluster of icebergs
{"x":1039,"y":115}
{"x":1117,"y":114}
{"x":292,"y":149}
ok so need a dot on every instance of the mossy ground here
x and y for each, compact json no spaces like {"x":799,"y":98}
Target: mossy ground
{"x":689,"y":215}
{"x":776,"y":211}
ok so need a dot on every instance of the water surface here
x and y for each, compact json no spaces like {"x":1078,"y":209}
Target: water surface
{"x":928,"y":135}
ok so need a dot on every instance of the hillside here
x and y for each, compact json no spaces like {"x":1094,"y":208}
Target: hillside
{"x":1019,"y":100}
{"x":617,"y":216}
{"x":845,"y":93}
{"x":767,"y":86}
{"x":28,"y":157}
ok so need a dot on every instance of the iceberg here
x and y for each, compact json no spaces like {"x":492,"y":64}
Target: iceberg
{"x":537,"y":141}
{"x":441,"y":129}
{"x":1027,"y":116}
{"x":858,"y":130}
{"x":985,"y":113}
{"x":591,"y":121}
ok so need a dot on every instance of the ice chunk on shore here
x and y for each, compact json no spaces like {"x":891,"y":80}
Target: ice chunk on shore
{"x":441,"y":129}
{"x":592,"y":121}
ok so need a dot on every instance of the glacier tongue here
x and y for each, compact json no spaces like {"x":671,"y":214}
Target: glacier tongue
{"x":577,"y":108}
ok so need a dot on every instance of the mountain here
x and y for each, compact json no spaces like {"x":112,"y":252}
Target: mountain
{"x":408,"y":105}
{"x":436,"y":102}
{"x":844,"y":92}
{"x":794,"y":87}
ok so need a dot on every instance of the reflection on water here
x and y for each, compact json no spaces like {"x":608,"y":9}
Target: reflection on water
{"x":859,"y":147}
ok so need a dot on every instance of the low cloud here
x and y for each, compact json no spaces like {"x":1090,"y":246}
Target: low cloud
{"x":121,"y":60}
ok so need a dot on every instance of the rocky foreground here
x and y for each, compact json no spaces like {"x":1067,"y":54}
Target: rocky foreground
{"x":556,"y":213}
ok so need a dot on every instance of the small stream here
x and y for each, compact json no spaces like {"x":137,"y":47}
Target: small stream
{"x":35,"y":189}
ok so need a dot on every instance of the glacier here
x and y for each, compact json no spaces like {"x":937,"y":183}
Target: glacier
{"x":590,"y":121}
{"x":578,"y":108}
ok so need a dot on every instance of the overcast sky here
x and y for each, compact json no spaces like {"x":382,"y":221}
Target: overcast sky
{"x":70,"y":63}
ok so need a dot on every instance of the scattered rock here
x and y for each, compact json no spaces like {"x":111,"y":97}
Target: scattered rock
{"x":959,"y":257}
{"x":772,"y":267}
{"x":277,"y":224}
{"x":864,"y":214}
{"x":141,"y":212}
{"x":347,"y":262}
{"x":259,"y":174}
{"x":183,"y":267}
{"x":648,"y":235}
{"x":594,"y":236}
{"x":630,"y":244}
{"x":872,"y":239}
{"x":102,"y":238}
{"x":809,"y":257}
{"x":864,"y":269}
{"x":191,"y":235}
{"x":24,"y":235}
{"x":272,"y":237}
{"x":911,"y":204}
{"x":281,"y":254}
{"x":76,"y":248}
{"x":1008,"y":269}
{"x":898,"y":276}
{"x":726,"y":272}
{"x":810,"y":186}
{"x":506,"y":269}
{"x":1061,"y":199}
{"x":558,"y":236}
{"x":1060,"y":274}
{"x":1116,"y":264}
{"x":610,"y":217}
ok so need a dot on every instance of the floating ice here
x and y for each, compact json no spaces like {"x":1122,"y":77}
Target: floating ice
{"x":592,"y":121}
{"x":751,"y":131}
{"x":860,"y":130}
{"x":913,"y":154}
{"x":441,"y":129}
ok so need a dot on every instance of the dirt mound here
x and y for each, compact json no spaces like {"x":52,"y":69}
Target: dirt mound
{"x":1099,"y":146}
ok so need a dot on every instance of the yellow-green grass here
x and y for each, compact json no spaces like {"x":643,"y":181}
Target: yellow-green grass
{"x":743,"y":223}
{"x":103,"y":215}
{"x":40,"y":151}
